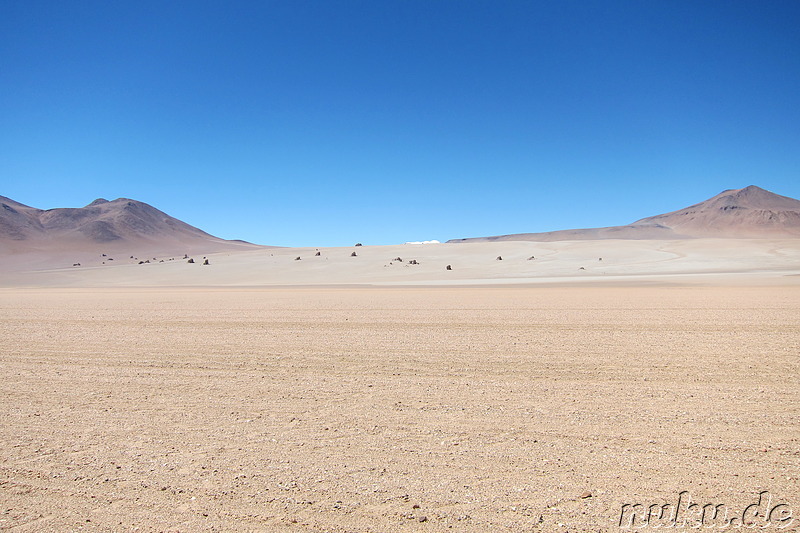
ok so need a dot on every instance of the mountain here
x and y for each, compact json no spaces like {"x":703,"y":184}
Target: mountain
{"x":748,"y":212}
{"x":751,"y":212}
{"x":121,"y":225}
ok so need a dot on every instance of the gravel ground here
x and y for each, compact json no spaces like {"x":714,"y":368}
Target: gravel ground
{"x":441,"y":409}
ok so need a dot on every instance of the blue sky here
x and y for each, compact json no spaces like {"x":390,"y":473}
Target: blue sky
{"x":323,"y":123}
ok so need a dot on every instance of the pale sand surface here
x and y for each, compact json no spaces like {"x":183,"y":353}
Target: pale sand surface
{"x":702,"y":261}
{"x":493,"y":409}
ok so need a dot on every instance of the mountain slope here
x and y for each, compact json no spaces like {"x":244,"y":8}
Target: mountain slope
{"x":751,"y":212}
{"x":119,"y":225}
{"x":748,"y":212}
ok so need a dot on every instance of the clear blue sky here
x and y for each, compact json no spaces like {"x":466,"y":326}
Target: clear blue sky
{"x":321,"y":123}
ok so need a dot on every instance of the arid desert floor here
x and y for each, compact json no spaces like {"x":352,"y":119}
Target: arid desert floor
{"x":393,"y":409}
{"x":691,"y":261}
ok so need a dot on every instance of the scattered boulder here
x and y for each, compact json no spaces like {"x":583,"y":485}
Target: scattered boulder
{"x":359,"y":244}
{"x":499,"y":258}
{"x":297,"y":258}
{"x":398,"y":259}
{"x":76,"y":264}
{"x":189,"y":261}
{"x":581,"y":268}
{"x":449,"y":267}
{"x":413,"y":262}
{"x":186,"y":256}
{"x":599,"y":258}
{"x":141,"y":262}
{"x":531,"y":258}
{"x":354,"y":254}
{"x":205,"y":262}
{"x":586,"y":494}
{"x":317,"y":254}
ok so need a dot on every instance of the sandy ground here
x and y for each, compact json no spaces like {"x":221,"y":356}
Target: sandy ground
{"x":392,"y":409}
{"x":714,"y":261}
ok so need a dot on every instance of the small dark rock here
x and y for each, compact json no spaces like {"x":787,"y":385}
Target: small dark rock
{"x":499,"y":258}
{"x":189,"y":261}
{"x":354,"y":254}
{"x":449,"y":267}
{"x":423,"y":518}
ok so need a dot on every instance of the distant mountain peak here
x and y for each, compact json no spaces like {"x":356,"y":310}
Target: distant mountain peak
{"x":750,"y":197}
{"x":123,"y":222}
{"x":750,"y":188}
{"x":750,"y":212}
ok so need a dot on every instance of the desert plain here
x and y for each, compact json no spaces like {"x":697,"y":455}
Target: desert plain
{"x":349,"y":394}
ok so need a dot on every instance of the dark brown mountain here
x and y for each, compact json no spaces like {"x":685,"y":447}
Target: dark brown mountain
{"x":751,"y":212}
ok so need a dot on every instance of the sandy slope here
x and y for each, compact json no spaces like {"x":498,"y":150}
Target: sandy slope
{"x":341,"y":410}
{"x":704,"y":260}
